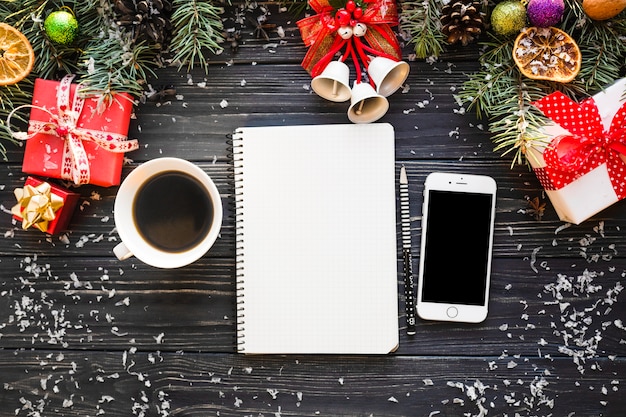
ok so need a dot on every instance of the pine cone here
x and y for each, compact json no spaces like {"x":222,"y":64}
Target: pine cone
{"x":462,"y":21}
{"x":147,"y":20}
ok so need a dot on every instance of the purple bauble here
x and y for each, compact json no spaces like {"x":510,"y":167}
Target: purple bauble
{"x":544,"y":13}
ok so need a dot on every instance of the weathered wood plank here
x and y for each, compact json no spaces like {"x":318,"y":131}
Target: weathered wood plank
{"x":71,"y":383}
{"x":98,"y":304}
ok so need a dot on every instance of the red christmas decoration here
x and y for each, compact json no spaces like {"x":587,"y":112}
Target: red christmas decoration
{"x":361,"y":31}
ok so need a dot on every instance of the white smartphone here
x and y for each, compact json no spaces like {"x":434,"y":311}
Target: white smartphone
{"x":457,"y":239}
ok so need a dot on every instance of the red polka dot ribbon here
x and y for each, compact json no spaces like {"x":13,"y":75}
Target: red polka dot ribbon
{"x":588,"y":146}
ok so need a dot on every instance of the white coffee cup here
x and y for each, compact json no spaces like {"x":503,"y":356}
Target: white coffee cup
{"x":149,"y":218}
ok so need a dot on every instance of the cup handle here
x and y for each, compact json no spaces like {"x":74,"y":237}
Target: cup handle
{"x":122,"y":252}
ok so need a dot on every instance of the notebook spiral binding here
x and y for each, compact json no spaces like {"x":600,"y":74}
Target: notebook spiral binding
{"x":237,"y":158}
{"x":229,"y":155}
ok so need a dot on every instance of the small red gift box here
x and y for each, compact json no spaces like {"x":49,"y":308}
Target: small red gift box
{"x":70,"y":138}
{"x":44,"y":206}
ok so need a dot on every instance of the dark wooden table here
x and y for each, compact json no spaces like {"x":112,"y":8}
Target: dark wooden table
{"x":82,"y":334}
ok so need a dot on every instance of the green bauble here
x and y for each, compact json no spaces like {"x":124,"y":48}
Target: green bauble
{"x":61,"y":27}
{"x":508,"y":17}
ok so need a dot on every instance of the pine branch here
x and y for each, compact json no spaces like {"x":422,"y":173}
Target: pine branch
{"x":11,"y":97}
{"x":197,"y":29}
{"x":109,"y":69}
{"x":54,"y":60}
{"x":420,"y":20}
{"x":515,"y":126}
{"x":295,"y":7}
{"x":501,"y":94}
{"x":111,"y":62}
{"x":602,"y":45}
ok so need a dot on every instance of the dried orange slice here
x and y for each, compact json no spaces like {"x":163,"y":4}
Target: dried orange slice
{"x":16,"y":55}
{"x":547,"y":54}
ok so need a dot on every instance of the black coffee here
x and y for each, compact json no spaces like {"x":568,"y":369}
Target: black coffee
{"x":173,"y":211}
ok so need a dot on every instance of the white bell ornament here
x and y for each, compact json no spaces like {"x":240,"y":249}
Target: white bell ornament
{"x":387,"y":74}
{"x":366,"y":105}
{"x":334,"y":82}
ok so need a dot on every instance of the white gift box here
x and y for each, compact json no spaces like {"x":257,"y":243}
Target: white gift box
{"x":593,"y":191}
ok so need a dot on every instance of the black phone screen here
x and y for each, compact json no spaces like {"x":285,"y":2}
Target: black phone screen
{"x":457,"y":247}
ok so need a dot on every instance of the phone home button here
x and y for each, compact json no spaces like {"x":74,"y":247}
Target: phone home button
{"x":452,"y":312}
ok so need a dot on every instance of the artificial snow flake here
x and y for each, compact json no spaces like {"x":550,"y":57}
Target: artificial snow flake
{"x":272,"y":392}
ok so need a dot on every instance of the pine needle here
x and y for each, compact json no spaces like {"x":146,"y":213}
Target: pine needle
{"x":197,"y":30}
{"x":419,"y":19}
{"x":12,"y":96}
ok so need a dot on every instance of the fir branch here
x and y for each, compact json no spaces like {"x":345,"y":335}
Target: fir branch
{"x":111,"y":61}
{"x":114,"y":65}
{"x":197,"y":28}
{"x":500,"y":93}
{"x":496,"y":91}
{"x":483,"y":90}
{"x":602,"y":45}
{"x":11,"y":97}
{"x":420,"y":20}
{"x":295,"y":7}
{"x":54,"y":60}
{"x":515,"y":126}
{"x":603,"y":55}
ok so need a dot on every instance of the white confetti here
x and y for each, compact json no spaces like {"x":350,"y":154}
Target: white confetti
{"x":272,"y":392}
{"x":562,"y":227}
{"x":533,"y":259}
{"x":124,"y":302}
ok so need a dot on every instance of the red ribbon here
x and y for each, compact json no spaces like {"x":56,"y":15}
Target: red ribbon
{"x":319,"y":33}
{"x":588,"y":146}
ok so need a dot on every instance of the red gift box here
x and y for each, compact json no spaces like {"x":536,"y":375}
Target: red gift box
{"x":51,"y":195}
{"x":73,"y":138}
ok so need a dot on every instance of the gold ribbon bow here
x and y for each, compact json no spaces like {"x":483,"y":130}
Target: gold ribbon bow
{"x":37,"y":206}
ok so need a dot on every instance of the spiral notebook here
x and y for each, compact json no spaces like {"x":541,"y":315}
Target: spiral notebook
{"x":316,"y":239}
